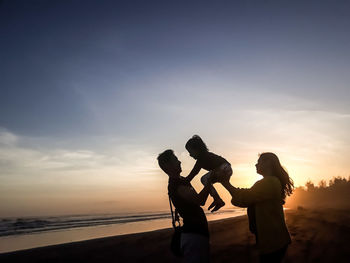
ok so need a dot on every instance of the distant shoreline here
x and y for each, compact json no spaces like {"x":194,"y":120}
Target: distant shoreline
{"x":42,"y":231}
{"x":317,"y":236}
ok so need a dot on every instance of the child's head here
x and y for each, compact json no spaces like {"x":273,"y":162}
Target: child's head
{"x":195,"y":146}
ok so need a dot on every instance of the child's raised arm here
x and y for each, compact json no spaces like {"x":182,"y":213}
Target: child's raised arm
{"x":194,"y":172}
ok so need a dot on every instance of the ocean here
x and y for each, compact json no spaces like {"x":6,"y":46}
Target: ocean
{"x":31,"y":232}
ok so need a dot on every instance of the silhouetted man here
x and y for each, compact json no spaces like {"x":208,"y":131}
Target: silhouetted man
{"x":195,"y":236}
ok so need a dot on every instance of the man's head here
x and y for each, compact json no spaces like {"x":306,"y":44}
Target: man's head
{"x":169,"y":163}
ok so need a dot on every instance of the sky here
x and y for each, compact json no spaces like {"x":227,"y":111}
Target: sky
{"x":93,"y":91}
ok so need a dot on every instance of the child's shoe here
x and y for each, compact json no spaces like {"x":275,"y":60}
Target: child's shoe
{"x":212,"y":205}
{"x":217,"y":204}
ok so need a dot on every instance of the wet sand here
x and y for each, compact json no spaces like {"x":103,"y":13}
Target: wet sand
{"x":317,"y":236}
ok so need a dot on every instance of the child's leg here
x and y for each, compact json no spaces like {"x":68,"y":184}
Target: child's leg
{"x":222,"y":173}
{"x":226,"y":172}
{"x":205,"y":181}
{"x":218,"y":202}
{"x":213,"y":192}
{"x":205,"y":178}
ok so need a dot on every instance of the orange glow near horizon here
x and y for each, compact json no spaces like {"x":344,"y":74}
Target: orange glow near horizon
{"x":146,"y":191}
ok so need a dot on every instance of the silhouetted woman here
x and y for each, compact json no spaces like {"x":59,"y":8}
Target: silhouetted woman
{"x":265,"y":201}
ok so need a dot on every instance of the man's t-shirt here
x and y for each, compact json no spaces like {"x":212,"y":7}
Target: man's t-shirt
{"x":194,"y":219}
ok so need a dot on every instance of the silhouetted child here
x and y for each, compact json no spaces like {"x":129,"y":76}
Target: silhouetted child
{"x":218,"y":167}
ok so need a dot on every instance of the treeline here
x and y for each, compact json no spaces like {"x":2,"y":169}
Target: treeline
{"x":335,"y":194}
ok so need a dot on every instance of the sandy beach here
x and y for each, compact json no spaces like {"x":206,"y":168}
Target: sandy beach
{"x":321,"y":235}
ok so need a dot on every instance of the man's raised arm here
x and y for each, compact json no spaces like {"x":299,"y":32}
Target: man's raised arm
{"x":189,"y":194}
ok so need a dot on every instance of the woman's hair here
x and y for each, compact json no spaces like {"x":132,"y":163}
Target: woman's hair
{"x":280,"y":173}
{"x":196,"y":143}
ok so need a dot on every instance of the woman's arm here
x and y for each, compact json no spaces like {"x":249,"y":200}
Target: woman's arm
{"x":262,"y":190}
{"x":236,"y":199}
{"x":229,"y":187}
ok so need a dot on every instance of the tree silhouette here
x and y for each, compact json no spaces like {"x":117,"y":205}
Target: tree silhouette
{"x":335,"y":195}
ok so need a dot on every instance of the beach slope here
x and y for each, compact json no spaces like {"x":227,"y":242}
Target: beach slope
{"x":321,"y":235}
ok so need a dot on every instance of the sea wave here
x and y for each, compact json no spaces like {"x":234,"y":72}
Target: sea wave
{"x":27,"y":225}
{"x":16,"y":226}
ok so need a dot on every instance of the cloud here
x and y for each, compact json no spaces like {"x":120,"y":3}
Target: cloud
{"x":7,"y":138}
{"x":41,"y":179}
{"x":118,"y":164}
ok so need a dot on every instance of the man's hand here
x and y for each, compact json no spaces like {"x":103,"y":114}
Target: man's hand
{"x":186,"y":179}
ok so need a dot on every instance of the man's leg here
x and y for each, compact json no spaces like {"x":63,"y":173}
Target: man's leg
{"x":274,"y":257}
{"x":195,"y":248}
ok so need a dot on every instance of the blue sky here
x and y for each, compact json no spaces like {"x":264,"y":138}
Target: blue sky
{"x":92,"y":91}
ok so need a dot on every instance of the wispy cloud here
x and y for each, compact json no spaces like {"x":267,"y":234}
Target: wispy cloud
{"x":23,"y":163}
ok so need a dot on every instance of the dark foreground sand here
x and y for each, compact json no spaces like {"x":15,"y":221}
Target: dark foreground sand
{"x":318,"y":236}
